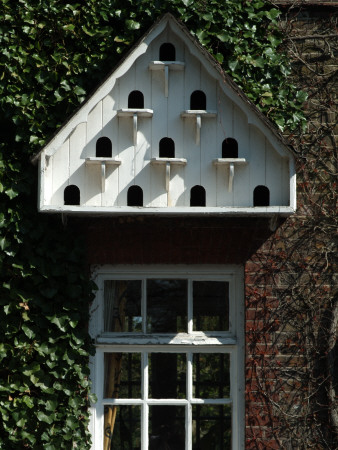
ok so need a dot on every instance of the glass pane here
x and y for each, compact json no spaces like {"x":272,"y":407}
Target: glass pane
{"x":122,"y":375}
{"x":122,"y":305}
{"x":211,"y":375}
{"x":166,"y":306}
{"x":211,"y":427}
{"x":211,"y":305}
{"x":166,"y":427}
{"x":167,"y":375}
{"x":122,"y":427}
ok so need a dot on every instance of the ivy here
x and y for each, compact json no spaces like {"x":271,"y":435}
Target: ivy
{"x":53,"y":53}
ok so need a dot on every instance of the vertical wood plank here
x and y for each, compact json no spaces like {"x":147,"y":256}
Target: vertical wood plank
{"x":77,"y":169}
{"x":192,"y":82}
{"x":60,"y":161}
{"x":274,"y":167}
{"x":241,"y":188}
{"x":257,"y":161}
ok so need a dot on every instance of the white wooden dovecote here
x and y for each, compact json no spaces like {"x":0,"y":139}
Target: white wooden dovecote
{"x":177,"y":137}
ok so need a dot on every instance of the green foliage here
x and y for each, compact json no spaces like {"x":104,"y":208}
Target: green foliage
{"x":52,"y":54}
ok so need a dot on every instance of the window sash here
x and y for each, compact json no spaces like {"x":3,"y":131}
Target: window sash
{"x":231,"y":341}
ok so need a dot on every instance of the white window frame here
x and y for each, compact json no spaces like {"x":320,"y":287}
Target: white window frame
{"x":231,"y":341}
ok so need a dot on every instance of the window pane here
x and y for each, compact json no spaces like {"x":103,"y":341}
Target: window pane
{"x":211,"y":305}
{"x":122,"y":306}
{"x":211,"y":427}
{"x":211,"y":375}
{"x":122,"y":375}
{"x":166,"y":427}
{"x":167,"y":375}
{"x":166,"y":306}
{"x":122,"y":430}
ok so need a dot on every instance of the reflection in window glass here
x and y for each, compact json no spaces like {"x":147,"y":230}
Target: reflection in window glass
{"x":122,"y":375}
{"x":166,"y":427}
{"x":167,"y":375}
{"x":122,"y":427}
{"x":211,"y":375}
{"x":122,"y":306}
{"x":211,"y":427}
{"x":211,"y":305}
{"x":166,"y":306}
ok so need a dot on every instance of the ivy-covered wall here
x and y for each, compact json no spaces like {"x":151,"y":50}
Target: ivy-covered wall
{"x":52,"y":54}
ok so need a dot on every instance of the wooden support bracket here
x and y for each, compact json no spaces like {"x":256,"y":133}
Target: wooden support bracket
{"x":231,"y":163}
{"x":135,"y":129}
{"x":168,"y":162}
{"x":103,"y":162}
{"x":165,"y":66}
{"x":198,"y":115}
{"x":198,"y":129}
{"x":135,"y":114}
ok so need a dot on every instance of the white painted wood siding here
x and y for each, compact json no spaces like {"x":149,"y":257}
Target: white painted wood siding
{"x":264,"y":163}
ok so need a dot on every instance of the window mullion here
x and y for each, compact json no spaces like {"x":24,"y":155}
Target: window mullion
{"x":145,"y":407}
{"x":188,"y":427}
{"x":144,"y":425}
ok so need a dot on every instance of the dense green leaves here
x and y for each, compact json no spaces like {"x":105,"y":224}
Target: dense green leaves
{"x":52,"y":54}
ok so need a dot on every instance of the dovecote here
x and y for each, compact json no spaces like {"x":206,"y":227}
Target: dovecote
{"x":167,"y":133}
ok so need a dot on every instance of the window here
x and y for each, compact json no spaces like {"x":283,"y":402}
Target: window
{"x":135,"y":196}
{"x":167,"y":148}
{"x":197,"y":196}
{"x":198,"y":100}
{"x":229,"y":148}
{"x":168,"y":370}
{"x":261,"y":196}
{"x":136,"y":100}
{"x":167,"y":52}
{"x":103,"y":148}
{"x":71,"y":195}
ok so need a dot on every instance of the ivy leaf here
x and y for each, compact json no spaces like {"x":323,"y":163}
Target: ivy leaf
{"x":4,"y":243}
{"x":272,"y":14}
{"x":79,"y":91}
{"x":28,"y":331}
{"x":301,"y":96}
{"x":43,"y":417}
{"x":28,"y":401}
{"x":11,"y":193}
{"x":233,"y":65}
{"x":51,"y":405}
{"x":132,"y":24}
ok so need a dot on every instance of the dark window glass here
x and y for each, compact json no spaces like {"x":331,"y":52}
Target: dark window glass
{"x":210,"y":306}
{"x":229,"y":148}
{"x":167,"y":52}
{"x":136,"y":100}
{"x":167,"y":375}
{"x":166,"y":427}
{"x":71,"y":195}
{"x":211,"y":375}
{"x":166,"y":306}
{"x":122,"y":306}
{"x":197,"y":196}
{"x":167,"y":148}
{"x":211,"y":425}
{"x":103,"y":148}
{"x":122,"y":427}
{"x":122,"y":375}
{"x":135,"y":196}
{"x":198,"y":100}
{"x":261,"y":196}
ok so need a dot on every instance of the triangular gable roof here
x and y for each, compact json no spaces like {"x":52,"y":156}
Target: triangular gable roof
{"x":254,"y":115}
